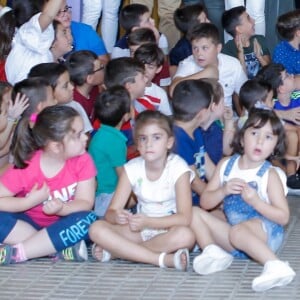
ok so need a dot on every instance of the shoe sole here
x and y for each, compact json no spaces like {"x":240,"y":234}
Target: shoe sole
{"x":293,"y":192}
{"x":209,"y":265}
{"x":270,"y":283}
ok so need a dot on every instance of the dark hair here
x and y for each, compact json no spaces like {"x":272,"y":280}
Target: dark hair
{"x":150,"y":54}
{"x":231,"y":19}
{"x":204,"y":30}
{"x":189,"y":97}
{"x":122,"y":70}
{"x":80,"y":64}
{"x":130,"y":16}
{"x":7,"y":31}
{"x":112,"y":104}
{"x":288,"y":23}
{"x":257,"y":119}
{"x":153,"y":116}
{"x":52,"y":124}
{"x":187,"y":16}
{"x":253,"y":91}
{"x":36,"y":91}
{"x":141,"y":36}
{"x":217,"y":89}
{"x":49,"y":71}
{"x":271,"y":74}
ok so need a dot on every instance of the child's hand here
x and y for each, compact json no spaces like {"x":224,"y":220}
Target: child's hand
{"x":53,"y":206}
{"x":38,"y":195}
{"x":239,"y":43}
{"x":249,"y":194}
{"x":234,"y":186}
{"x":257,"y":48}
{"x":137,"y":222}
{"x":16,"y":109}
{"x":122,"y":217}
{"x":228,"y":113}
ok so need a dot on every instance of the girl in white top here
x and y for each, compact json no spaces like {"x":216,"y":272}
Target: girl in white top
{"x":158,"y":233}
{"x":252,"y":193}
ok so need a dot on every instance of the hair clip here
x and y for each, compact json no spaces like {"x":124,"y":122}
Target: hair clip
{"x":33,"y":117}
{"x":261,"y":105}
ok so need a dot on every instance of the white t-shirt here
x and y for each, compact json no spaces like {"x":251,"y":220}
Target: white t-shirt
{"x":30,"y":47}
{"x":156,"y":198}
{"x":231,"y":73}
{"x":86,"y":121}
{"x":160,"y":94}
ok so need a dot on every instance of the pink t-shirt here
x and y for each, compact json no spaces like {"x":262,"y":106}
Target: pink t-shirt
{"x":62,"y":185}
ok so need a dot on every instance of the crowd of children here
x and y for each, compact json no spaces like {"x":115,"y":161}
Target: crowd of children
{"x":157,"y":153}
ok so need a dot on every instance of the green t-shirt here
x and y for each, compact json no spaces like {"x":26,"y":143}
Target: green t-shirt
{"x":108,"y":150}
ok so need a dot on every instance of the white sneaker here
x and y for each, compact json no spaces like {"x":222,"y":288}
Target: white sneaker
{"x":275,"y":273}
{"x":211,"y":260}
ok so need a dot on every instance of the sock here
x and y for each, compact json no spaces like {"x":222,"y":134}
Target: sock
{"x":19,"y":254}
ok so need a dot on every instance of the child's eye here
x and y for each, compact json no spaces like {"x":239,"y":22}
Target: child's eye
{"x":269,"y":137}
{"x":142,"y":139}
{"x":157,"y":137}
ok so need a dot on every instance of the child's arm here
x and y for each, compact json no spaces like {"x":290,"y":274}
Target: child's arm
{"x":9,"y":203}
{"x":184,"y":209}
{"x":263,"y":59}
{"x":292,"y":115}
{"x":84,"y":199}
{"x":15,"y":110}
{"x":49,"y":13}
{"x":229,"y":130}
{"x":116,"y":214}
{"x":210,"y":71}
{"x":278,"y":210}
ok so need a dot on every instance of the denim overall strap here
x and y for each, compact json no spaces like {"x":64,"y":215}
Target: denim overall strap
{"x":229,"y":165}
{"x":263,"y":169}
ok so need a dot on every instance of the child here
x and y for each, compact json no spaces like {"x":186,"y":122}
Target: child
{"x":35,"y":42}
{"x":185,"y":18}
{"x":130,"y":73}
{"x":142,"y":36}
{"x":160,"y":226}
{"x":193,"y":109}
{"x":155,"y":98}
{"x":253,"y":196}
{"x":287,"y":51}
{"x":254,"y":93}
{"x":58,"y":77}
{"x":287,"y":100}
{"x":139,"y":37}
{"x":208,"y":62}
{"x":131,"y":17}
{"x":250,"y":49}
{"x":108,"y":145}
{"x":87,"y":73}
{"x":46,"y":197}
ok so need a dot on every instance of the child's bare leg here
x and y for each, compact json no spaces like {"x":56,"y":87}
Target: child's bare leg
{"x":292,"y":150}
{"x":20,"y":232}
{"x":122,"y":243}
{"x":250,"y":237}
{"x":176,"y":238}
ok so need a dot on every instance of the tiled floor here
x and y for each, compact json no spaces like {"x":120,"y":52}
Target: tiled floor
{"x":43,"y":279}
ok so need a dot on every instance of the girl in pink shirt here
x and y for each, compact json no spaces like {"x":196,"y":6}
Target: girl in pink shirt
{"x":47,"y":196}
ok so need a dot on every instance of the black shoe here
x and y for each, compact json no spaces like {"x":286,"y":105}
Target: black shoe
{"x":293,"y":181}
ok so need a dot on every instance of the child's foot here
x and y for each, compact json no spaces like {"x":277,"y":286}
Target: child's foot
{"x":212,"y":259}
{"x":100,"y":254}
{"x":275,"y":273}
{"x":78,"y":252}
{"x":9,"y":255}
{"x":179,"y":260}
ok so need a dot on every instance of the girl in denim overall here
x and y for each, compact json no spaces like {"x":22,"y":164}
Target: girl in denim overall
{"x":251,"y":193}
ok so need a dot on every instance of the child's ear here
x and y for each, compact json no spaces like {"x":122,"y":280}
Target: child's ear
{"x":219,"y":47}
{"x":170,"y":143}
{"x":158,"y":69}
{"x":89,"y":78}
{"x":55,"y":147}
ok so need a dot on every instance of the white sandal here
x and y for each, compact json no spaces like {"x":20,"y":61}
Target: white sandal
{"x":106,"y":256}
{"x":176,"y":260}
